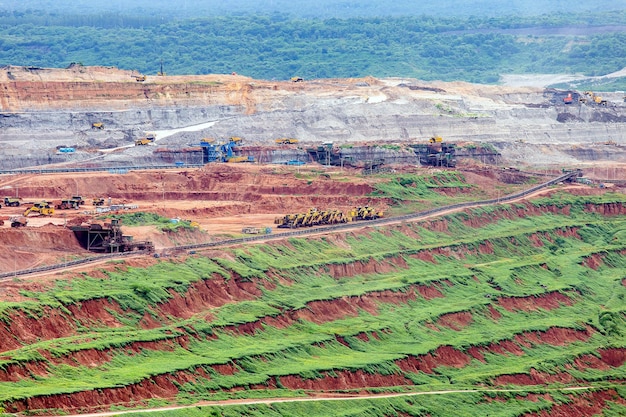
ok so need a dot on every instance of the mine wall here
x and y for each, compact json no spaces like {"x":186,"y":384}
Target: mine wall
{"x":376,"y":115}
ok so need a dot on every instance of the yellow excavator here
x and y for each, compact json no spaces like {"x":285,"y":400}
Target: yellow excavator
{"x":43,"y":209}
{"x":594,"y":99}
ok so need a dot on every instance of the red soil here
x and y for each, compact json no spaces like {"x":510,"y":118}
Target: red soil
{"x":159,"y":386}
{"x":343,"y":380}
{"x":533,"y":378}
{"x":442,"y":356}
{"x":587,"y":404}
{"x":370,"y":266}
{"x":614,"y":357}
{"x":203,"y":295}
{"x":547,"y":301}
{"x":593,"y":261}
{"x":455,"y":321}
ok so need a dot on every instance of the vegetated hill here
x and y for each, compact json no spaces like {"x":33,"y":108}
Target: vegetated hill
{"x":310,"y":8}
{"x":263,"y":45}
{"x":528,"y":296}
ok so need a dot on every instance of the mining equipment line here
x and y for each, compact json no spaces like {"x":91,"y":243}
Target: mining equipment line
{"x":309,"y":231}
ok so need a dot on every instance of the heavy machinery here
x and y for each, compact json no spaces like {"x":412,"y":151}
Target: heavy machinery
{"x":12,"y":201}
{"x":251,"y":230}
{"x":67,"y":204}
{"x":142,"y":141}
{"x":108,"y":237}
{"x":593,"y":98}
{"x":139,"y":78}
{"x":161,"y":73}
{"x":296,"y":79}
{"x":18,"y":221}
{"x":436,"y":152}
{"x":364,"y":213}
{"x":97,"y":201}
{"x":43,"y":209}
{"x":97,"y":125}
{"x":313,"y":217}
{"x":78,"y":199}
{"x":148,"y":139}
{"x":286,"y":141}
{"x":568,"y":99}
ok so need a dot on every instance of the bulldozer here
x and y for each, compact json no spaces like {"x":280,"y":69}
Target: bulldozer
{"x":296,"y":79}
{"x":98,"y":201}
{"x":139,"y":78}
{"x":11,"y":201}
{"x":97,"y":125}
{"x":435,"y":139}
{"x":43,"y":209}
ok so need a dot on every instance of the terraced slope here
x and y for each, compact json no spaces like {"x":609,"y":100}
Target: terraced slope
{"x":526,"y":296}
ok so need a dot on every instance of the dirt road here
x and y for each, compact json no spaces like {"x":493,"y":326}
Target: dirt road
{"x":318,"y":397}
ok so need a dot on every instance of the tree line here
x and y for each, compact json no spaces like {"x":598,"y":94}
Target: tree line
{"x":278,"y":46}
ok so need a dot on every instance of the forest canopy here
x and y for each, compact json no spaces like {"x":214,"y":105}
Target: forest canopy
{"x":279,"y":45}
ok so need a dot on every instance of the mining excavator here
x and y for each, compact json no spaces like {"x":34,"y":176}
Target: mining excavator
{"x":43,"y":209}
{"x":591,"y":96}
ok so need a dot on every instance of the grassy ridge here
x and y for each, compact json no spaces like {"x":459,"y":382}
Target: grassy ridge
{"x":472,"y":268}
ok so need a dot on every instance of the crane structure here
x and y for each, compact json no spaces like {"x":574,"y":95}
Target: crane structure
{"x":222,"y":152}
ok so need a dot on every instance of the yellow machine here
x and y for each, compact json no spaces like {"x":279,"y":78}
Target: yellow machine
{"x":145,"y":141}
{"x":286,"y":141}
{"x":139,"y":78}
{"x":436,"y":139}
{"x":237,"y":159}
{"x":97,"y":125}
{"x":43,"y":209}
{"x":97,"y":201}
{"x":594,"y":99}
{"x":11,"y":201}
{"x":364,"y":213}
{"x":313,"y":217}
{"x":297,"y":79}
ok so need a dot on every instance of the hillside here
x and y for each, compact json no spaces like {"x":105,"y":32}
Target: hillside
{"x":44,"y":109}
{"x":511,"y":308}
{"x":525,"y":296}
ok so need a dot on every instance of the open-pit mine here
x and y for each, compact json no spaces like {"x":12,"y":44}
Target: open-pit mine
{"x":402,"y":248}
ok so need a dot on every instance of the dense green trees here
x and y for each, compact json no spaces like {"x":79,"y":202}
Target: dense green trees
{"x":278,"y":46}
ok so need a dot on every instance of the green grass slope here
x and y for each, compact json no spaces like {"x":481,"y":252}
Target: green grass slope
{"x":526,"y":296}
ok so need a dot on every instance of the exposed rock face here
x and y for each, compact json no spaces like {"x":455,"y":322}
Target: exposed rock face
{"x":43,"y":109}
